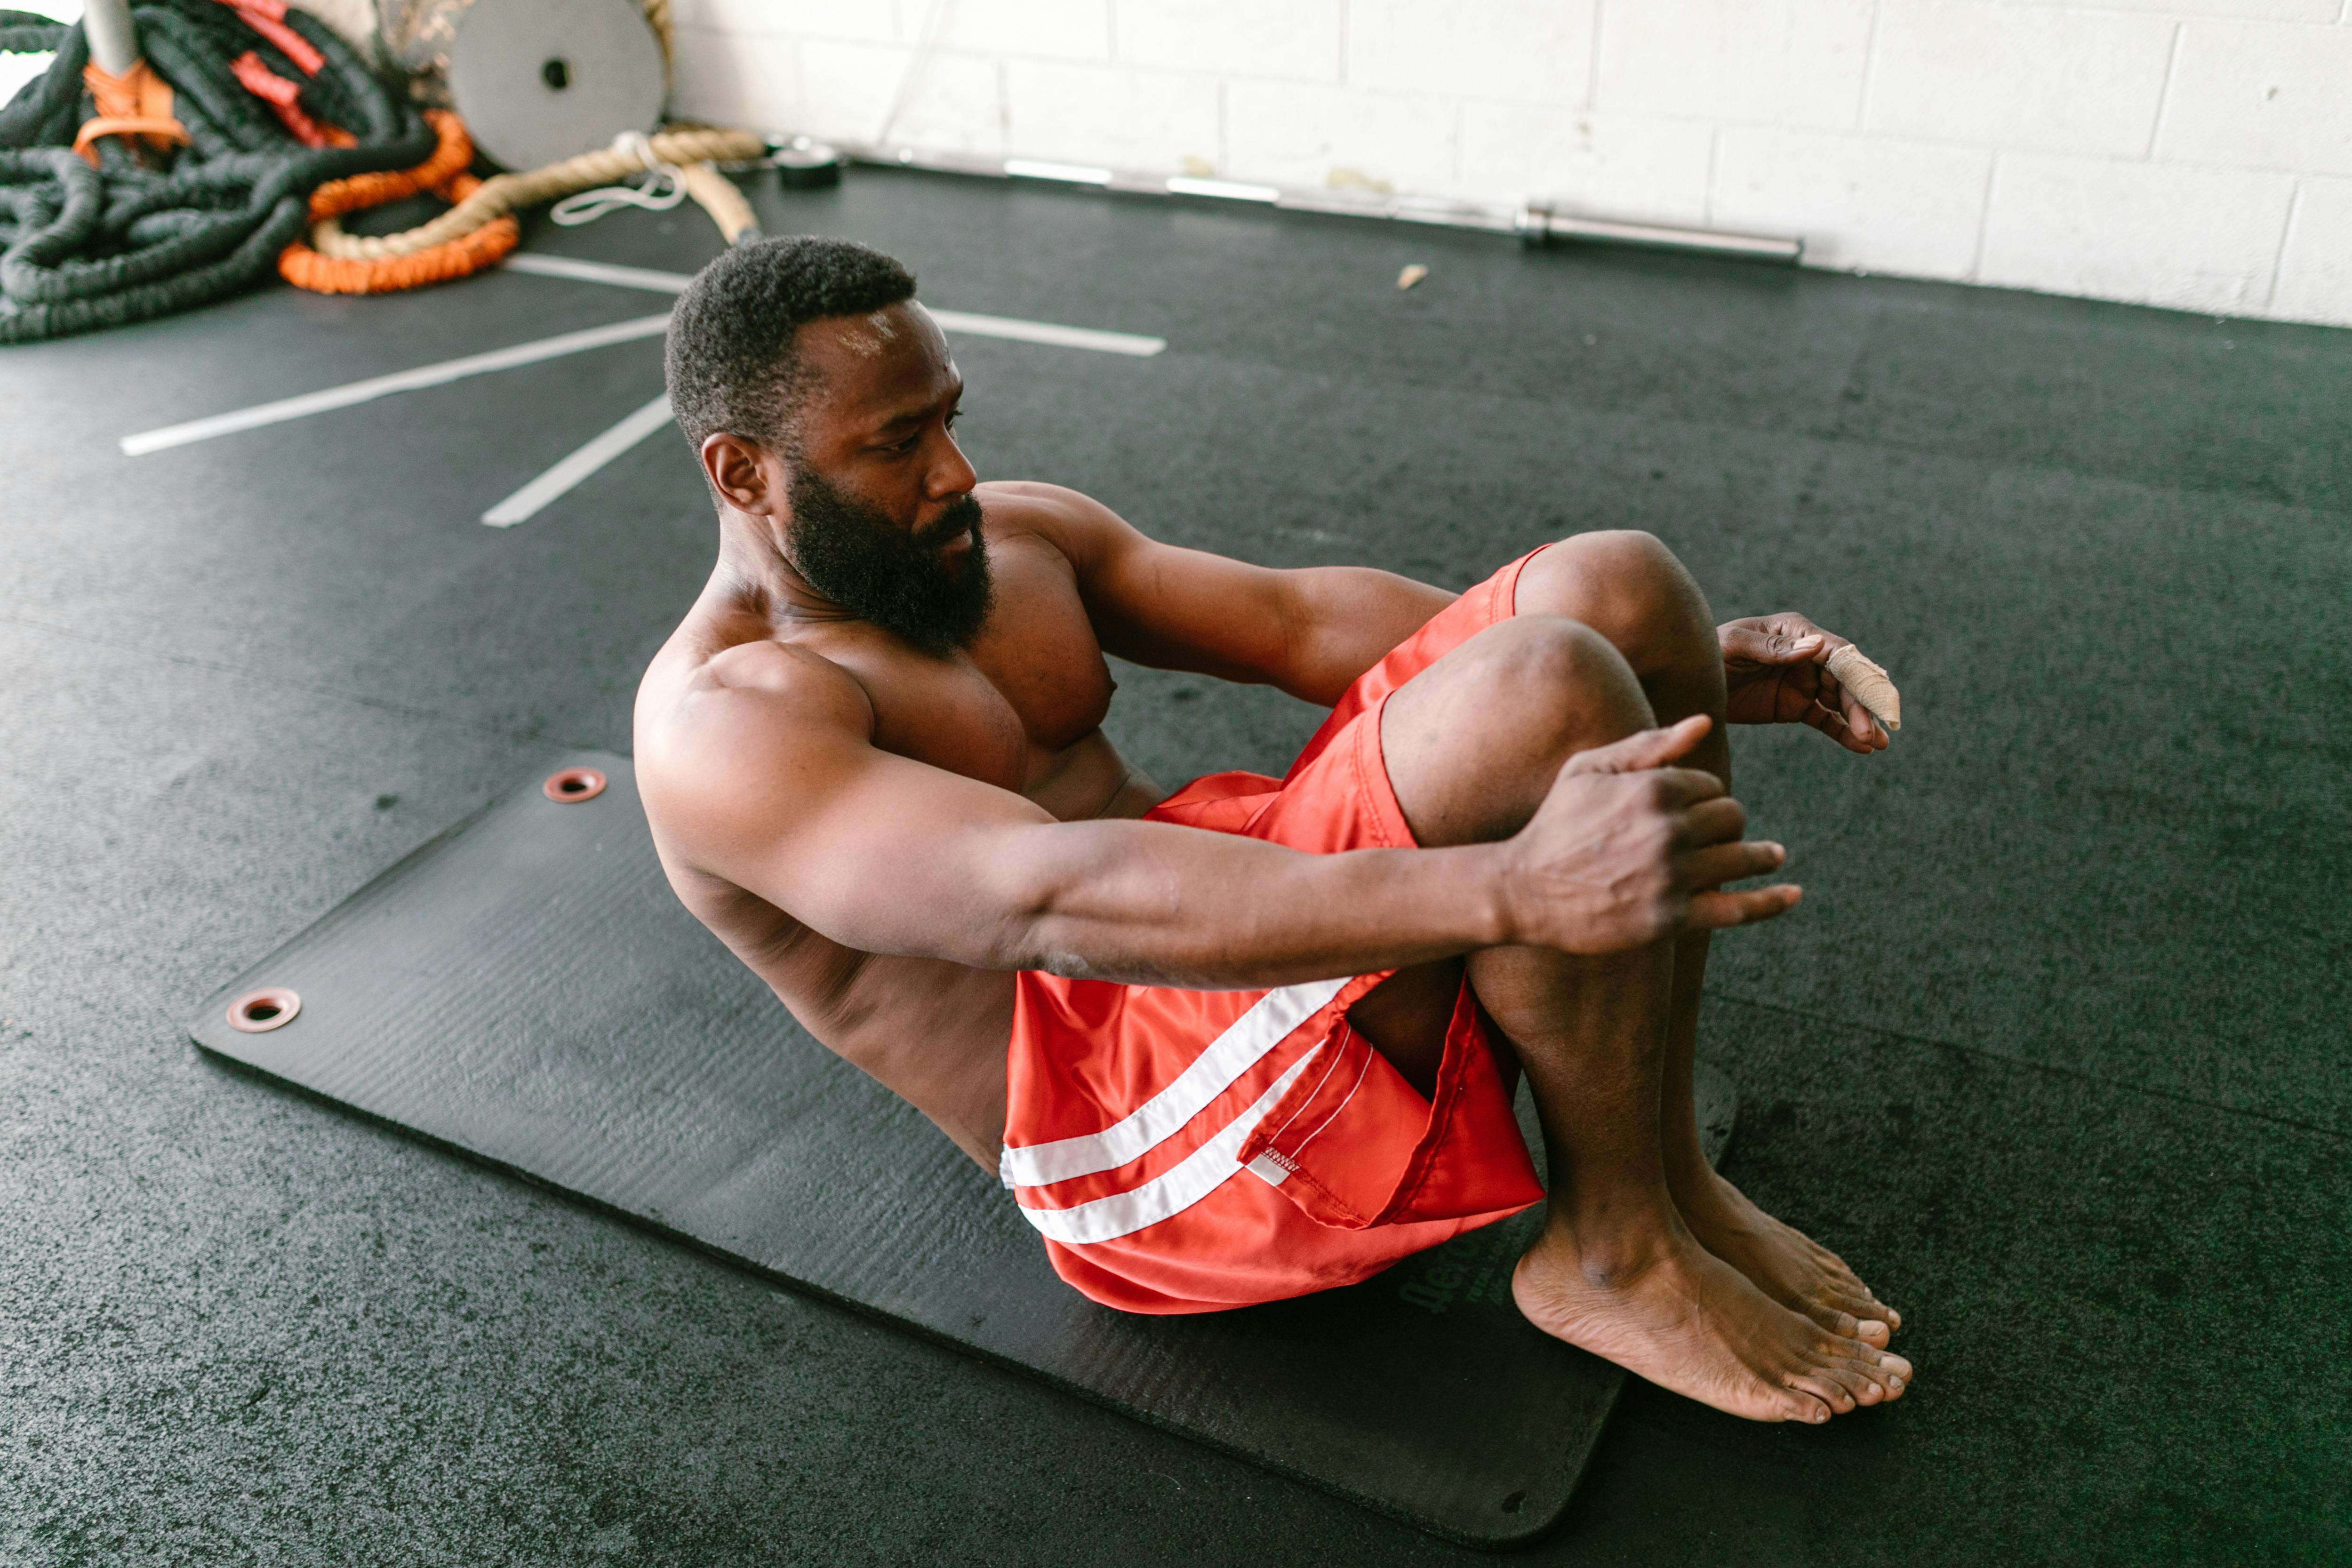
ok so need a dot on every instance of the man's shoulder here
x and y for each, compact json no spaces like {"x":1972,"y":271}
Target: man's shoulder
{"x":1034,"y":497}
{"x":735,"y":707}
{"x":1070,"y":521}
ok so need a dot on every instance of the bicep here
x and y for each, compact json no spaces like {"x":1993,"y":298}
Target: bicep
{"x":1308,"y":631}
{"x":1173,"y":608}
{"x":1349,"y":618}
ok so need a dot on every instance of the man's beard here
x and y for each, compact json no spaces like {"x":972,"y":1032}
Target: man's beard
{"x":856,"y":556}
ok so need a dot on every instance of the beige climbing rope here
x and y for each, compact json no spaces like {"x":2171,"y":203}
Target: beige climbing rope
{"x":693,"y":151}
{"x":718,"y":196}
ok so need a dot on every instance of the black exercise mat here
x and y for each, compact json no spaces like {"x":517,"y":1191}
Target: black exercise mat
{"x":526,"y":990}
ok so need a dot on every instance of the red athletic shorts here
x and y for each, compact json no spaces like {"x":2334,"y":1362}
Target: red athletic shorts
{"x":1190,"y":1151}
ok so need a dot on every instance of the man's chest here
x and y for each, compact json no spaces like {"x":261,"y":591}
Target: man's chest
{"x":1032,"y":686}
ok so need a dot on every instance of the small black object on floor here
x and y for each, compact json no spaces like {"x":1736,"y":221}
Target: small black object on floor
{"x":2053,"y":1050}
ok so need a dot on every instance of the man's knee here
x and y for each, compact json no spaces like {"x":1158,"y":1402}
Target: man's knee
{"x":1473,"y":742}
{"x":1626,"y":585}
{"x":1560,"y":681}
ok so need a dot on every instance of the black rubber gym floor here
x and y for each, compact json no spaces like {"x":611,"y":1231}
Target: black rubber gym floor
{"x":2053,"y":1051}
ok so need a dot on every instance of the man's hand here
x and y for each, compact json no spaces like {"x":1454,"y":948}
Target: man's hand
{"x":1627,"y":849}
{"x":1772,"y":667}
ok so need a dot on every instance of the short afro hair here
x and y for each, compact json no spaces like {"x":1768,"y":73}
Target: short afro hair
{"x":730,"y":358}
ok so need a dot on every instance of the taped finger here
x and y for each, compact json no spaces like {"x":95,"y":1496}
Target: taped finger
{"x":1869,"y":683}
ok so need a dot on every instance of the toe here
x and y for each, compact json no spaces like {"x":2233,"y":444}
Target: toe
{"x":1889,"y":1373}
{"x":1848,"y":1318}
{"x":1825,"y":1385}
{"x":1797,"y":1405}
{"x":1862,"y":1304}
{"x":1867,"y":1390}
{"x":1870,"y":1386}
{"x":1844,"y":1322}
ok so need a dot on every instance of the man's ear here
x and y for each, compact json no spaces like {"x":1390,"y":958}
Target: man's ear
{"x":743,"y":473}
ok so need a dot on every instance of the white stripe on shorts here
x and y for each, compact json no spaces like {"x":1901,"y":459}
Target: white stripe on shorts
{"x":1269,"y":1021}
{"x":1182,"y":1185}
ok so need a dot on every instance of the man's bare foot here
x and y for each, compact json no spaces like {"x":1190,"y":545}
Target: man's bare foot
{"x":1675,"y":1314}
{"x":1784,"y":1262}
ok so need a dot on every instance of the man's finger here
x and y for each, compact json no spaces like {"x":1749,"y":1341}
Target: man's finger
{"x":1820,"y":643}
{"x":1828,"y":721}
{"x":1680,"y":789}
{"x":1642,"y":749}
{"x":1849,"y":723}
{"x":1774,"y":645}
{"x":1711,"y":868}
{"x":1861,"y":722}
{"x":1715,"y":911}
{"x":1719,"y":819}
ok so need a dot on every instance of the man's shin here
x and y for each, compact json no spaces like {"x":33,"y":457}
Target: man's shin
{"x":1687,"y":1172}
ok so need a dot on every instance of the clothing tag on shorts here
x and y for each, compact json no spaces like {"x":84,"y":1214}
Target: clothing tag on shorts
{"x":1271,"y":1168}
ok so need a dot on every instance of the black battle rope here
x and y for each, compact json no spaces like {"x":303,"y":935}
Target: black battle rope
{"x":82,"y":249}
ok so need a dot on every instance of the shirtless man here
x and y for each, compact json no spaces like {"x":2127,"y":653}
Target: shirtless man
{"x":1258,"y":1037}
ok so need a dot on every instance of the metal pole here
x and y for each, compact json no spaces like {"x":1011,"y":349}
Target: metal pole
{"x":1535,"y":223}
{"x":113,"y":36}
{"x":1539,"y":223}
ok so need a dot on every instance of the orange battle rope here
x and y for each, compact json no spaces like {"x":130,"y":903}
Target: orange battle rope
{"x":446,"y":175}
{"x":136,"y":103}
{"x":283,"y":98}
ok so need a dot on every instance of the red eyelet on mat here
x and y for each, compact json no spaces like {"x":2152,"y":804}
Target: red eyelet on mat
{"x":258,"y":1011}
{"x":572,"y":785}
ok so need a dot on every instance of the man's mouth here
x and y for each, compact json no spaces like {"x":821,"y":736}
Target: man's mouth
{"x":950,"y":533}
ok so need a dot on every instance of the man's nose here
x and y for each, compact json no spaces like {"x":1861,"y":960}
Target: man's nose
{"x":951,"y":474}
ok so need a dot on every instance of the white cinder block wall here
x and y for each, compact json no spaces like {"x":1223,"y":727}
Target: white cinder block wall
{"x":2194,"y":153}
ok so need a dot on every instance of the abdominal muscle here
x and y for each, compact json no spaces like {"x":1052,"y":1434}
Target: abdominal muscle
{"x":934,"y":1032}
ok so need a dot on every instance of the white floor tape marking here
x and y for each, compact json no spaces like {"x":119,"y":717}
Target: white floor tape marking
{"x":1047,"y":332}
{"x":597,"y":272}
{"x":423,"y":375}
{"x":528,"y":500}
{"x":953,"y":320}
{"x":333,"y":398}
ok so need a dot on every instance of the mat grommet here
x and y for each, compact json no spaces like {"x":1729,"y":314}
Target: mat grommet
{"x":573,"y":784}
{"x":258,"y":1011}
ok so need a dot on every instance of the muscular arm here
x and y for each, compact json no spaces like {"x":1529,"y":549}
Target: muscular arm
{"x":769,"y":779}
{"x":1309,"y":632}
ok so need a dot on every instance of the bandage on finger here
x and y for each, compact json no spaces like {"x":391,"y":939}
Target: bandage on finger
{"x":1870,"y":684}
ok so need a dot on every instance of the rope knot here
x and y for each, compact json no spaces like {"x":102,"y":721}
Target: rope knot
{"x":663,"y":188}
{"x":136,"y":103}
